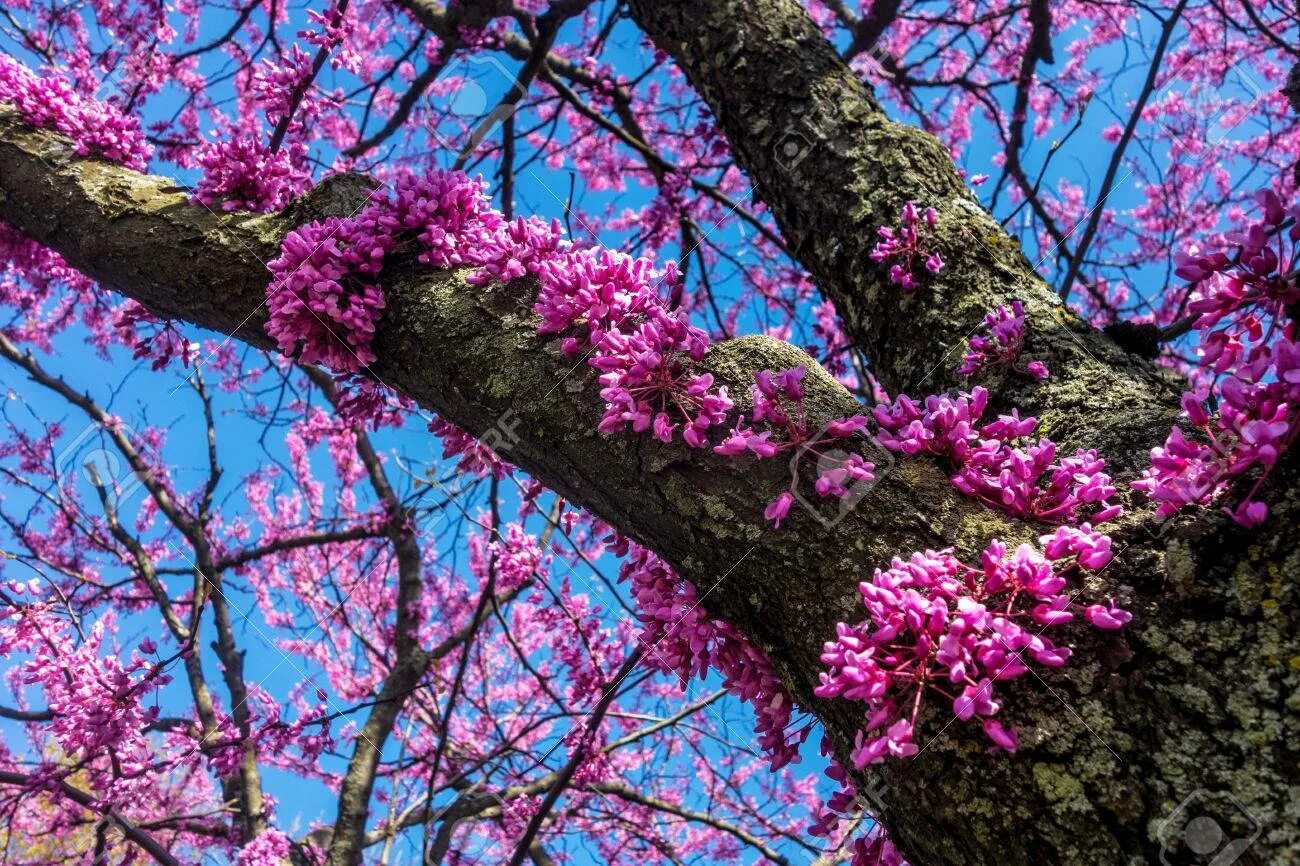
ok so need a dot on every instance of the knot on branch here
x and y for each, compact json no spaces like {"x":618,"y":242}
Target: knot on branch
{"x":339,"y":195}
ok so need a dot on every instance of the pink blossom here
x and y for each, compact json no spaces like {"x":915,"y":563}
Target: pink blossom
{"x":1000,"y":344}
{"x":96,"y":128}
{"x":902,"y":248}
{"x":1107,"y":617}
{"x":679,"y":636}
{"x":999,"y":462}
{"x":779,"y":508}
{"x":271,"y":848}
{"x":1251,"y":361}
{"x":933,"y":619}
{"x":778,"y":404}
{"x":240,"y":173}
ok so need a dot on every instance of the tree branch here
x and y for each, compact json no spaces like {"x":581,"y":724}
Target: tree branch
{"x":473,"y":355}
{"x":150,"y":845}
{"x":832,"y":167}
{"x":1102,"y":760}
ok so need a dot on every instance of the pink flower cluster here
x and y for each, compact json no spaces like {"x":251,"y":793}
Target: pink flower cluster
{"x":271,"y":735}
{"x":643,"y":349}
{"x":903,"y":248}
{"x":515,"y":556}
{"x":96,"y":692}
{"x":1002,"y":343}
{"x":1249,"y":362}
{"x":364,"y":401}
{"x":324,"y":300}
{"x":277,"y":81}
{"x":939,"y":626}
{"x":473,"y":457}
{"x":680,"y":637}
{"x":241,"y":173}
{"x":1030,"y":482}
{"x":835,"y":343}
{"x":240,"y":169}
{"x":325,"y":303}
{"x":96,"y":128}
{"x":333,"y":30}
{"x":998,"y":462}
{"x":872,"y":848}
{"x":163,"y":346}
{"x":778,"y":404}
{"x":271,"y":848}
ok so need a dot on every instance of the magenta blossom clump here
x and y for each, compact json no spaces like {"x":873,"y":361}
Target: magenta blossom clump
{"x":903,"y":250}
{"x":940,"y":425}
{"x":241,"y":173}
{"x":97,"y":128}
{"x":1001,"y":343}
{"x":269,"y":849}
{"x":778,"y":406}
{"x":166,"y":343}
{"x":1028,"y":481}
{"x":1000,"y":463}
{"x":939,"y":627}
{"x":679,"y":636}
{"x":1249,"y":361}
{"x":647,"y":383}
{"x":325,"y":301}
{"x":473,"y":457}
{"x":644,"y":350}
{"x":872,"y":848}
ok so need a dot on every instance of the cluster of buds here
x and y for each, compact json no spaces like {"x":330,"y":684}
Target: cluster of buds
{"x":902,"y":248}
{"x":1001,"y":343}
{"x":1249,"y":363}
{"x":937,"y":626}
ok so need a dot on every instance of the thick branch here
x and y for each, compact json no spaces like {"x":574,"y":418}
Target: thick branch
{"x":1110,"y":745}
{"x":474,"y":356}
{"x":832,"y":168}
{"x":1112,"y":752}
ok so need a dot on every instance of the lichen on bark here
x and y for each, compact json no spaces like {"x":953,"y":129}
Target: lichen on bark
{"x":1199,"y":692}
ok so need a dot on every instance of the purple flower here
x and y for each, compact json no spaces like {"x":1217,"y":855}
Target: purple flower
{"x":779,"y":508}
{"x":1000,"y":343}
{"x":903,"y":248}
{"x":1248,"y":360}
{"x":1107,"y":617}
{"x":933,"y":619}
{"x":1003,"y":736}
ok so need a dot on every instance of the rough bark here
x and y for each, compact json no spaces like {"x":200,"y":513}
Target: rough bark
{"x":1199,"y":692}
{"x":474,"y":356}
{"x":832,"y":168}
{"x":1141,"y":721}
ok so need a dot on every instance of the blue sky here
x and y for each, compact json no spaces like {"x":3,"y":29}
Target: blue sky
{"x":128,"y":388}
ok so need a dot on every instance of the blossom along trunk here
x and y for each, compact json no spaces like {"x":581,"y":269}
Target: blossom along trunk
{"x":1196,"y":699}
{"x":1150,"y":740}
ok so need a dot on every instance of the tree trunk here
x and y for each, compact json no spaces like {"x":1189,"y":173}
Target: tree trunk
{"x":1197,"y":693}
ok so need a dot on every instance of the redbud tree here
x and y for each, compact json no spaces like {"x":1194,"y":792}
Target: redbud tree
{"x":604,"y":431}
